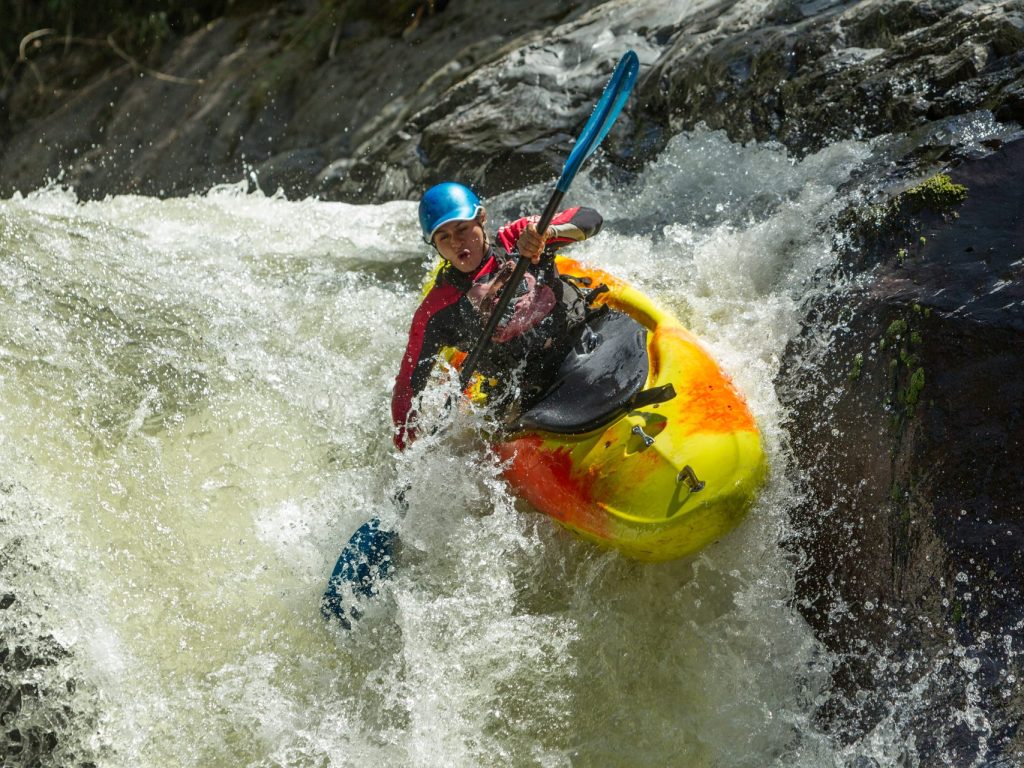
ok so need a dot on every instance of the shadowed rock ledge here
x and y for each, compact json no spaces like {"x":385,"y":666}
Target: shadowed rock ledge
{"x":351,"y":102}
{"x":908,"y":428}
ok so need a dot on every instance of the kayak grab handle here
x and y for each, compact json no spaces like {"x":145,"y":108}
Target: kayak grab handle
{"x":688,"y":476}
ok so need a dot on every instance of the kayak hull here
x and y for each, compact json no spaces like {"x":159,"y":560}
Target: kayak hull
{"x":684,"y":479}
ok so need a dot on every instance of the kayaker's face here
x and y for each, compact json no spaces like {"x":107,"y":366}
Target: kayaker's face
{"x":463,"y":243}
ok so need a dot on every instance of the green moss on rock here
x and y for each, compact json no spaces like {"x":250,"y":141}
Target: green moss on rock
{"x":939,"y":194}
{"x":896,"y":329}
{"x":858,"y":366}
{"x":914,"y":388}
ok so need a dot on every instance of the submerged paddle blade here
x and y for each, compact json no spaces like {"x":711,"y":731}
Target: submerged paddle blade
{"x":366,"y":560}
{"x":602,"y":118}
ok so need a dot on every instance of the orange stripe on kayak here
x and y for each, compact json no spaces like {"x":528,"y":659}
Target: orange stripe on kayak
{"x":548,"y":479}
{"x":706,"y":399}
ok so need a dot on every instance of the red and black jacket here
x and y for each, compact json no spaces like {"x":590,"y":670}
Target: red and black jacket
{"x":447,"y":317}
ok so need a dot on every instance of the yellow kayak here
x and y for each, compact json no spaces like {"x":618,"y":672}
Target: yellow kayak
{"x":661,"y":476}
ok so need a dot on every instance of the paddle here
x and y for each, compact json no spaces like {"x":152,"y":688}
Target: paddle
{"x":597,"y":127}
{"x":368,"y":556}
{"x":366,"y":560}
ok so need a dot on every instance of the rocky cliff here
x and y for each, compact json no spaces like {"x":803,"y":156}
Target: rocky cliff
{"x":908,"y":428}
{"x":347,"y":102}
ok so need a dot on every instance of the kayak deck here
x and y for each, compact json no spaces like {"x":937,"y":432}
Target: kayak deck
{"x":665,"y":479}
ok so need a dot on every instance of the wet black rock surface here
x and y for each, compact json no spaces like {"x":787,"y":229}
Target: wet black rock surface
{"x":367,"y":106}
{"x":814,"y":73}
{"x":908,"y":430}
{"x":44,"y":708}
{"x":286,"y":91}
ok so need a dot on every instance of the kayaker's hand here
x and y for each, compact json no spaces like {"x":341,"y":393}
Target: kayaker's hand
{"x":531,"y":243}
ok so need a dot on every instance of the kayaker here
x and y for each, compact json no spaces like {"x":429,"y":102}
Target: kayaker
{"x":537,"y":329}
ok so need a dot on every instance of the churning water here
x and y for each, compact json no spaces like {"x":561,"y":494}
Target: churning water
{"x":194,"y":418}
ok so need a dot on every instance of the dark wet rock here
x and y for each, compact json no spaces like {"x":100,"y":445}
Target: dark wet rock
{"x":275,"y":86}
{"x":513,"y":121}
{"x":290,"y":171}
{"x":367,"y":102}
{"x":815,"y":73}
{"x":850,"y":69}
{"x":908,"y":430}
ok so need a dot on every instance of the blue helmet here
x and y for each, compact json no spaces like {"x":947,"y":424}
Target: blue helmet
{"x":446,"y":202}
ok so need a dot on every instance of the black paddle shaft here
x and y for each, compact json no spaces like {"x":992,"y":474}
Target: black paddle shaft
{"x":484,"y":340}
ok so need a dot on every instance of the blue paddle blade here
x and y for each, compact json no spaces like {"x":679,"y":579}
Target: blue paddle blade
{"x":602,"y":118}
{"x":366,"y":560}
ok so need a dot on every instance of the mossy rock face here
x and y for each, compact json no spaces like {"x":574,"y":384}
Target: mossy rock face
{"x":915,"y":500}
{"x":895,"y":230}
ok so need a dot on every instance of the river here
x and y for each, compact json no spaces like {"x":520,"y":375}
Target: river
{"x":194,"y":418}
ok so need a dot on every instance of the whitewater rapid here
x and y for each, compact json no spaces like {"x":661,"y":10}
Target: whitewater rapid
{"x":194,"y":418}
